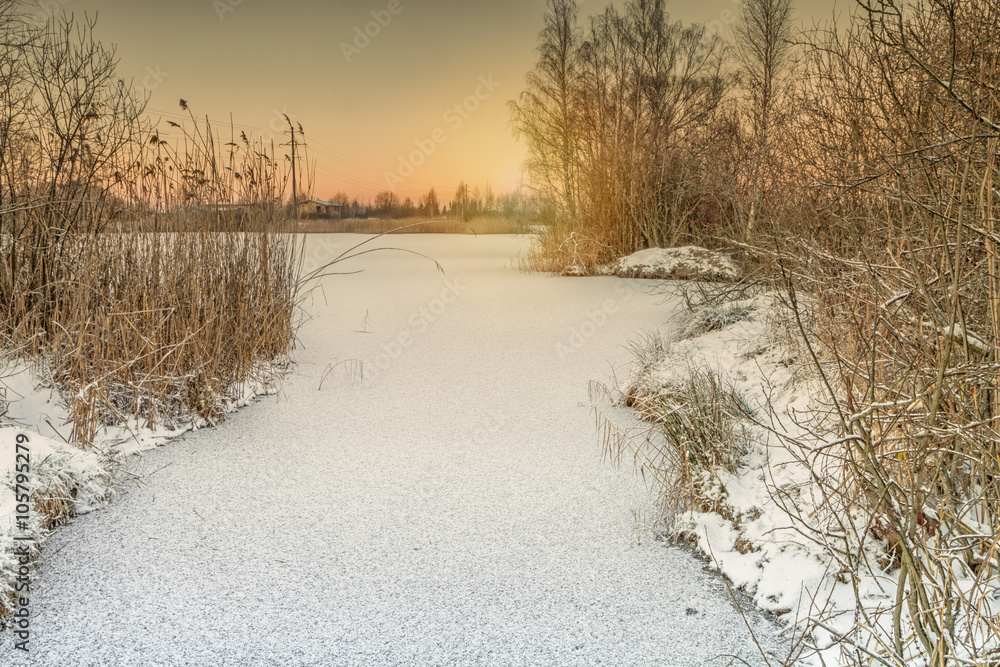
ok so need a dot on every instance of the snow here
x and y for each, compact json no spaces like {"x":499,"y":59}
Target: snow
{"x":53,"y":465}
{"x":784,"y":569}
{"x":85,"y":480}
{"x":56,"y":469}
{"x":963,"y":337}
{"x":441,"y":500}
{"x":30,"y":403}
{"x":787,"y":572}
{"x":689,"y":262}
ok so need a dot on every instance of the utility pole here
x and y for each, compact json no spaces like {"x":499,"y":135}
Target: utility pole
{"x":295,"y":185}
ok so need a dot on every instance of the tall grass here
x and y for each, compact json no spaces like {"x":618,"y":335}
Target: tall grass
{"x":170,"y":326}
{"x":562,"y":248}
{"x":167,"y":327}
{"x":128,"y":319}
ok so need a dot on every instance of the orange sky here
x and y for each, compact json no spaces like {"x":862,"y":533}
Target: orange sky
{"x":363,"y":105}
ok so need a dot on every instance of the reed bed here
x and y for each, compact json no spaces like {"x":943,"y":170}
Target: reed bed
{"x":163,"y":327}
{"x":144,"y":268}
{"x":168,"y":328}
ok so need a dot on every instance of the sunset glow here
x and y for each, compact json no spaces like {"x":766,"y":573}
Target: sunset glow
{"x":479,"y":332}
{"x":372,"y":85}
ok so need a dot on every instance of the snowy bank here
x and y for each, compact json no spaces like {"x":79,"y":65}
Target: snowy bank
{"x":64,"y":480}
{"x":687,"y":263}
{"x":44,"y":482}
{"x":768,"y":523}
{"x":736,"y":517}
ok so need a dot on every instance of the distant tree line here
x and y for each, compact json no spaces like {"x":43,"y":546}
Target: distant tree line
{"x":468,"y":204}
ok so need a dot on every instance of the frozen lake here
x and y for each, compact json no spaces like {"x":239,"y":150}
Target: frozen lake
{"x":451,"y":508}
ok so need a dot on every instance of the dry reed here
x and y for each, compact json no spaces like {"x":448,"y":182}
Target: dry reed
{"x":147,"y":275}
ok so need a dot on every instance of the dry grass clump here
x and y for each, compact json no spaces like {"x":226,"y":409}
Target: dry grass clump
{"x":694,"y":426}
{"x":568,"y":253}
{"x":704,"y":419}
{"x":719,"y":316}
{"x":162,"y":327}
{"x":165,"y":327}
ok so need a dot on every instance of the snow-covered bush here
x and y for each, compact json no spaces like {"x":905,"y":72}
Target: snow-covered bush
{"x":687,"y":263}
{"x":697,"y":423}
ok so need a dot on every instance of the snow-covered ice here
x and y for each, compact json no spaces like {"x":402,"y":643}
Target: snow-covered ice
{"x":451,"y":507}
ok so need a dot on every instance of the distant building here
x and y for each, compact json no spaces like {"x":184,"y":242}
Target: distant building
{"x":317,"y":208}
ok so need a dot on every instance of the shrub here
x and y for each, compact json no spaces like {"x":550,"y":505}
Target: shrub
{"x":693,"y":427}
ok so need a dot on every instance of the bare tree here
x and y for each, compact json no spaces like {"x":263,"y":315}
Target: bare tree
{"x":16,"y":41}
{"x":429,"y":204}
{"x":545,"y":114}
{"x":653,"y":88}
{"x":387,"y":203}
{"x":68,"y":138}
{"x":902,"y":146}
{"x":764,"y":49}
